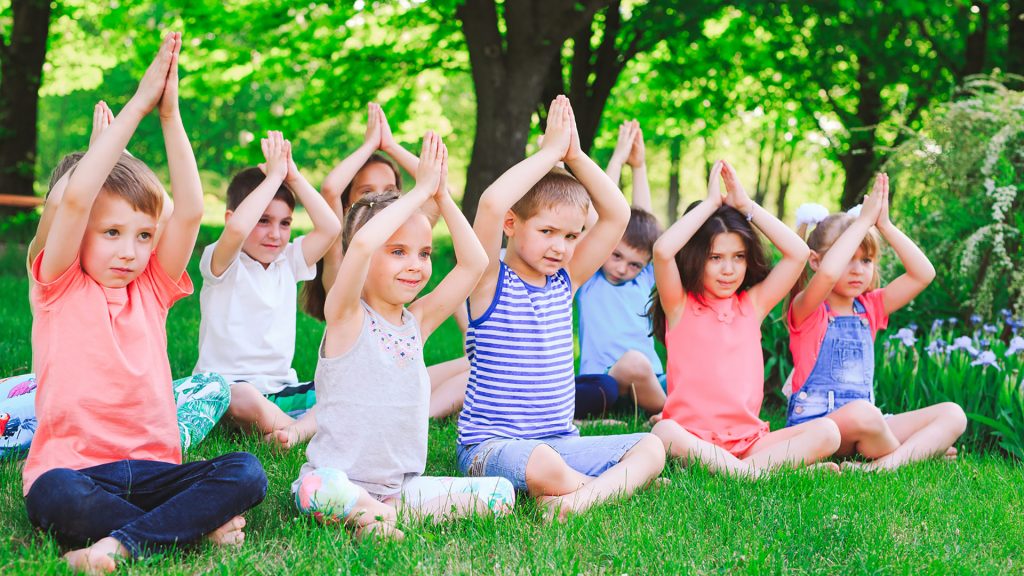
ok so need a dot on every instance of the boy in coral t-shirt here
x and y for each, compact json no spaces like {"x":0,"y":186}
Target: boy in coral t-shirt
{"x":105,"y":465}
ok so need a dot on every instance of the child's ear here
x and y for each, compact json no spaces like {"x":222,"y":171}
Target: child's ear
{"x":508,"y":224}
{"x":814,"y":260}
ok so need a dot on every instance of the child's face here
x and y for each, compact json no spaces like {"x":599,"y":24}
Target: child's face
{"x":401,"y":268}
{"x":271,"y":235}
{"x":856,"y":279}
{"x":373,"y":178}
{"x":726,"y":266}
{"x":625,"y":263}
{"x":547,"y":240}
{"x":118,"y":241}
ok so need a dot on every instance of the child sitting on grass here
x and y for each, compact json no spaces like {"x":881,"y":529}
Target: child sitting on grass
{"x":104,"y":473}
{"x":517,"y":419}
{"x":615,"y":333}
{"x":833,"y":322}
{"x":370,"y":449}
{"x":715,"y":288}
{"x":250,"y":276}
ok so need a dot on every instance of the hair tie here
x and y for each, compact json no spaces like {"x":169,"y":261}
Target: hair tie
{"x":855,"y":211}
{"x":372,"y":202}
{"x":810,"y":214}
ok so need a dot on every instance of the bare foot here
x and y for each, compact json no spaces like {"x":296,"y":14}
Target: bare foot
{"x":100,"y":558}
{"x":379,"y":530}
{"x":283,"y":439}
{"x":654,"y":419}
{"x":825,"y":466}
{"x":854,"y":466}
{"x":230,"y":534}
{"x":556,"y":508}
{"x":951,"y":453}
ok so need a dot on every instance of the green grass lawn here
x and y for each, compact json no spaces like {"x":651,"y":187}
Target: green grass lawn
{"x":931,"y":518}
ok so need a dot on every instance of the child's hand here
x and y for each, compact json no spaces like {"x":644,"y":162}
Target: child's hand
{"x":276,"y":150}
{"x":638,"y":152}
{"x":442,"y":184}
{"x":169,"y":99}
{"x":151,"y":87}
{"x":373,"y":128}
{"x":558,"y":134}
{"x":387,"y":140}
{"x":735,"y":195}
{"x":575,"y":151}
{"x":102,"y":116}
{"x":428,"y":173}
{"x":627,"y":131}
{"x":715,"y":185}
{"x":883,"y":214}
{"x":871,"y":207}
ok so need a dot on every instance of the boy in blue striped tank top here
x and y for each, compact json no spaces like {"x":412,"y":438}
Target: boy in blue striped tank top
{"x":517,"y":419}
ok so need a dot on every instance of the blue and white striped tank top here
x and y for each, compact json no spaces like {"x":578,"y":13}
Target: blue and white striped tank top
{"x":521,"y":380}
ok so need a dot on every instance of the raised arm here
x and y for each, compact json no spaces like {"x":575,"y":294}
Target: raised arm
{"x":246,"y":216}
{"x":623,"y":146}
{"x":408,"y":161}
{"x":638,"y":162}
{"x":785,"y":273}
{"x":470,"y":263}
{"x":919,"y":270}
{"x":666,"y":272}
{"x":64,"y":238}
{"x":342,"y":308}
{"x":831,"y":266}
{"x":179,"y":234}
{"x":612,"y":212}
{"x":500,"y":196}
{"x":341,"y":176}
{"x":326,"y":225}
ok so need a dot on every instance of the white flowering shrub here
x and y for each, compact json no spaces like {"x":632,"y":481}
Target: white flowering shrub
{"x":957,"y":192}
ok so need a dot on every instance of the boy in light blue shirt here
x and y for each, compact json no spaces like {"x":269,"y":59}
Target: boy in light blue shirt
{"x":617,"y":355}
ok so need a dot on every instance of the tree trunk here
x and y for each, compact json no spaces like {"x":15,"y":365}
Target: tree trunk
{"x":508,"y":76}
{"x":977,"y":43}
{"x":1015,"y":38}
{"x":21,"y":73}
{"x":675,"y":155}
{"x":785,"y":173}
{"x":860,"y":160}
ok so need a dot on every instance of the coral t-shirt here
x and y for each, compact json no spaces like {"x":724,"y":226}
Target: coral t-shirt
{"x":104,"y":382}
{"x":805,"y":340}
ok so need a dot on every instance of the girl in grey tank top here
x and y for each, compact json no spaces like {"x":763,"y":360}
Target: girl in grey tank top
{"x":366,"y":460}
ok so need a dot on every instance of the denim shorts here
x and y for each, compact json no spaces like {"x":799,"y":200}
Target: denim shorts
{"x":507,"y":457}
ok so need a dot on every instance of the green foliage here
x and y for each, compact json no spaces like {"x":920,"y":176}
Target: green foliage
{"x":957,"y":194}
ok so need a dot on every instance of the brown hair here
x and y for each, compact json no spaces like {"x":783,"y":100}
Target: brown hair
{"x":66,"y":164}
{"x":825,"y":235}
{"x":374,"y":158}
{"x":246,"y":181}
{"x":132,"y":181}
{"x":642,"y":231}
{"x":693,"y":256}
{"x":314,"y":294}
{"x":556,"y":188}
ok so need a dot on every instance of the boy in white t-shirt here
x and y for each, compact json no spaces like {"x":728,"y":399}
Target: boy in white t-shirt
{"x":248,"y":299}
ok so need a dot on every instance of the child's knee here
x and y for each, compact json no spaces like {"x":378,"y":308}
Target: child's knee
{"x":649,"y":450}
{"x":247,"y":476}
{"x":826,"y":432}
{"x":863,"y":418}
{"x":635,"y":365}
{"x":953,"y":415}
{"x":60,"y":493}
{"x":328,"y":495}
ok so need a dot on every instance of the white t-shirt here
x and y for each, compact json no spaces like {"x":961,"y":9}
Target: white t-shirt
{"x":247,"y":330}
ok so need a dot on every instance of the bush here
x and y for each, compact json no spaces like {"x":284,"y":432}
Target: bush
{"x":956,"y":191}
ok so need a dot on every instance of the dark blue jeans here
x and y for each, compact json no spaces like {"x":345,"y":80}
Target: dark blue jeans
{"x":146,"y":506}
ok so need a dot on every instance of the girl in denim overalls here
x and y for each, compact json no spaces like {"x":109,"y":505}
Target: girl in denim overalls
{"x":833,"y":322}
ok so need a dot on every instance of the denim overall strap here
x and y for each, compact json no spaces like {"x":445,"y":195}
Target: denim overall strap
{"x":844,"y":371}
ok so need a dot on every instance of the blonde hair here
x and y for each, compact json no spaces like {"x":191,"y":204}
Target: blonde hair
{"x":556,"y":188}
{"x":132,"y":181}
{"x":825,"y":235}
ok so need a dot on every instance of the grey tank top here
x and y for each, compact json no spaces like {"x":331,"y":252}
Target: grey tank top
{"x":373,"y":406}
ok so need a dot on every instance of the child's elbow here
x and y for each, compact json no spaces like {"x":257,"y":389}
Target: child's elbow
{"x":801,"y":254}
{"x":662,"y":251}
{"x":330,"y":227}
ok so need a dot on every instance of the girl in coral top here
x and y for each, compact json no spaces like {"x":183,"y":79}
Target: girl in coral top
{"x":833,"y":321}
{"x":714,"y":288}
